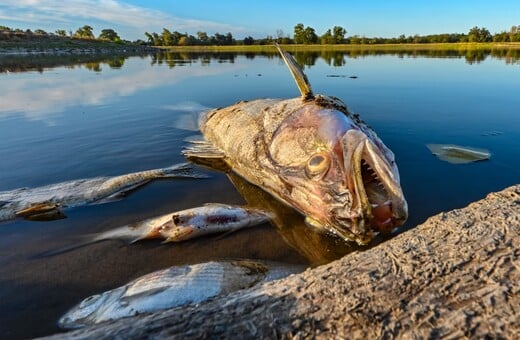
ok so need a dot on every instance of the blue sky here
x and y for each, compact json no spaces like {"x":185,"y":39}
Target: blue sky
{"x":131,"y":18}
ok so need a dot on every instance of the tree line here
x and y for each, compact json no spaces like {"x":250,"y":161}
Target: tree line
{"x":84,"y":32}
{"x":301,"y":35}
{"x":336,"y":35}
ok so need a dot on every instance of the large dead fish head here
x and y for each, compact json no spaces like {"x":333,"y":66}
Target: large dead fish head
{"x":337,"y":172}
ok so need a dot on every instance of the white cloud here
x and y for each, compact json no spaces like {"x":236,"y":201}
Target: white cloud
{"x":132,"y":19}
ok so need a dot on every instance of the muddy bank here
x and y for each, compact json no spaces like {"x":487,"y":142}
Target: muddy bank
{"x":455,"y":275}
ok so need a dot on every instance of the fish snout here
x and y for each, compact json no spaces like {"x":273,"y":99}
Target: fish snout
{"x":378,"y":203}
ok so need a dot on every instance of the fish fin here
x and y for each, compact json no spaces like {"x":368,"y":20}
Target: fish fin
{"x":115,"y":197}
{"x":151,"y":235}
{"x":182,"y":170}
{"x":187,"y":114}
{"x":202,"y":149}
{"x":47,"y":211}
{"x":121,"y":194}
{"x":297,"y":72}
{"x":311,"y":222}
{"x":181,"y":234}
{"x":223,"y":205}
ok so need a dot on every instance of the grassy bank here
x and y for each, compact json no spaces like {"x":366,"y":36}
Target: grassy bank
{"x":20,"y":43}
{"x":349,"y":47}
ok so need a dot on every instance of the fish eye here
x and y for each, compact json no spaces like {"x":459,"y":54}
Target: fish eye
{"x":317,"y":165}
{"x":91,"y":299}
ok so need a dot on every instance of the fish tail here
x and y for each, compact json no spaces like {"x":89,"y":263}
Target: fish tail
{"x":83,"y":242}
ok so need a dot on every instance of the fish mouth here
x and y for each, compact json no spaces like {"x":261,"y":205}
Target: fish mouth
{"x":378,"y":202}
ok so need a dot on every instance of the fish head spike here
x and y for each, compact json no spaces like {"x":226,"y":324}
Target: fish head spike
{"x":297,"y":72}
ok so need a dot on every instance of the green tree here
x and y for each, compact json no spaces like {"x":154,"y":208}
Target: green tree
{"x":203,"y":38}
{"x":4,"y":28}
{"x":168,"y":39}
{"x":184,"y":41}
{"x":154,"y":39}
{"x":477,"y":34}
{"x":61,"y":33}
{"x":149,"y":37}
{"x":299,"y":34}
{"x":109,"y":34}
{"x":327,"y":38}
{"x":249,"y":40}
{"x":310,"y":36}
{"x":229,"y":39}
{"x":84,"y":32}
{"x":514,"y":34}
{"x":338,"y":34}
{"x":40,"y":32}
{"x":501,"y":37}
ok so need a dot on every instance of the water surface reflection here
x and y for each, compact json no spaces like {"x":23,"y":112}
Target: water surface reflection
{"x":62,"y":119}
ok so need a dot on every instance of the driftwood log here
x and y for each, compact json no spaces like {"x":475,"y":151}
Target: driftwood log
{"x":456,"y":275}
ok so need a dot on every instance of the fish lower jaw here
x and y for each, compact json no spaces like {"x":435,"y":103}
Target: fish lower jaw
{"x":375,"y":190}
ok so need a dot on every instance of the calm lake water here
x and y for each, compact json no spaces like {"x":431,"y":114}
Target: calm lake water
{"x":63,"y":120}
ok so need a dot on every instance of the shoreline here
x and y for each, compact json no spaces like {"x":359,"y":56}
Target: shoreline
{"x":82,"y":47}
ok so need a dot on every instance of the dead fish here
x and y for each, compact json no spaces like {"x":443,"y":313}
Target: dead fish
{"x":209,"y":219}
{"x":47,"y":202}
{"x":314,"y":155}
{"x":173,"y":287}
{"x":178,"y":226}
{"x":456,"y":154}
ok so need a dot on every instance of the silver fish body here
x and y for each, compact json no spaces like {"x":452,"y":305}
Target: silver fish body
{"x":312,"y":154}
{"x":208,"y":219}
{"x":173,"y":287}
{"x":178,"y":226}
{"x":42,"y":201}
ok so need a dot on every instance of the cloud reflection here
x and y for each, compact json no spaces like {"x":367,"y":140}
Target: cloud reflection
{"x":42,"y":96}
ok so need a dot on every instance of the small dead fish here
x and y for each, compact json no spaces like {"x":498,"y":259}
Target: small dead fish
{"x":456,"y":154}
{"x":209,"y":219}
{"x":173,"y":287}
{"x":178,"y":226}
{"x":314,"y":155}
{"x":47,"y":202}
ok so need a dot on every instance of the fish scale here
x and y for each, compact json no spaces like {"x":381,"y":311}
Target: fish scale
{"x":172,"y":287}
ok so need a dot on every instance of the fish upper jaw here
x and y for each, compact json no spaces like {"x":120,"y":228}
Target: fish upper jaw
{"x":378,"y":204}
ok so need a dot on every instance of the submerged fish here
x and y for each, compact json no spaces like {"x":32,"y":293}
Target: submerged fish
{"x":173,"y":287}
{"x":209,"y":219}
{"x":314,"y":155}
{"x":179,"y":226}
{"x":456,"y":154}
{"x":45,"y":203}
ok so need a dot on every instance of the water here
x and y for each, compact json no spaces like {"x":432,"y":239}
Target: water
{"x":60,"y":120}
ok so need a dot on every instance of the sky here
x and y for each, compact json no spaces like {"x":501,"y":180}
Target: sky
{"x":381,"y":18}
